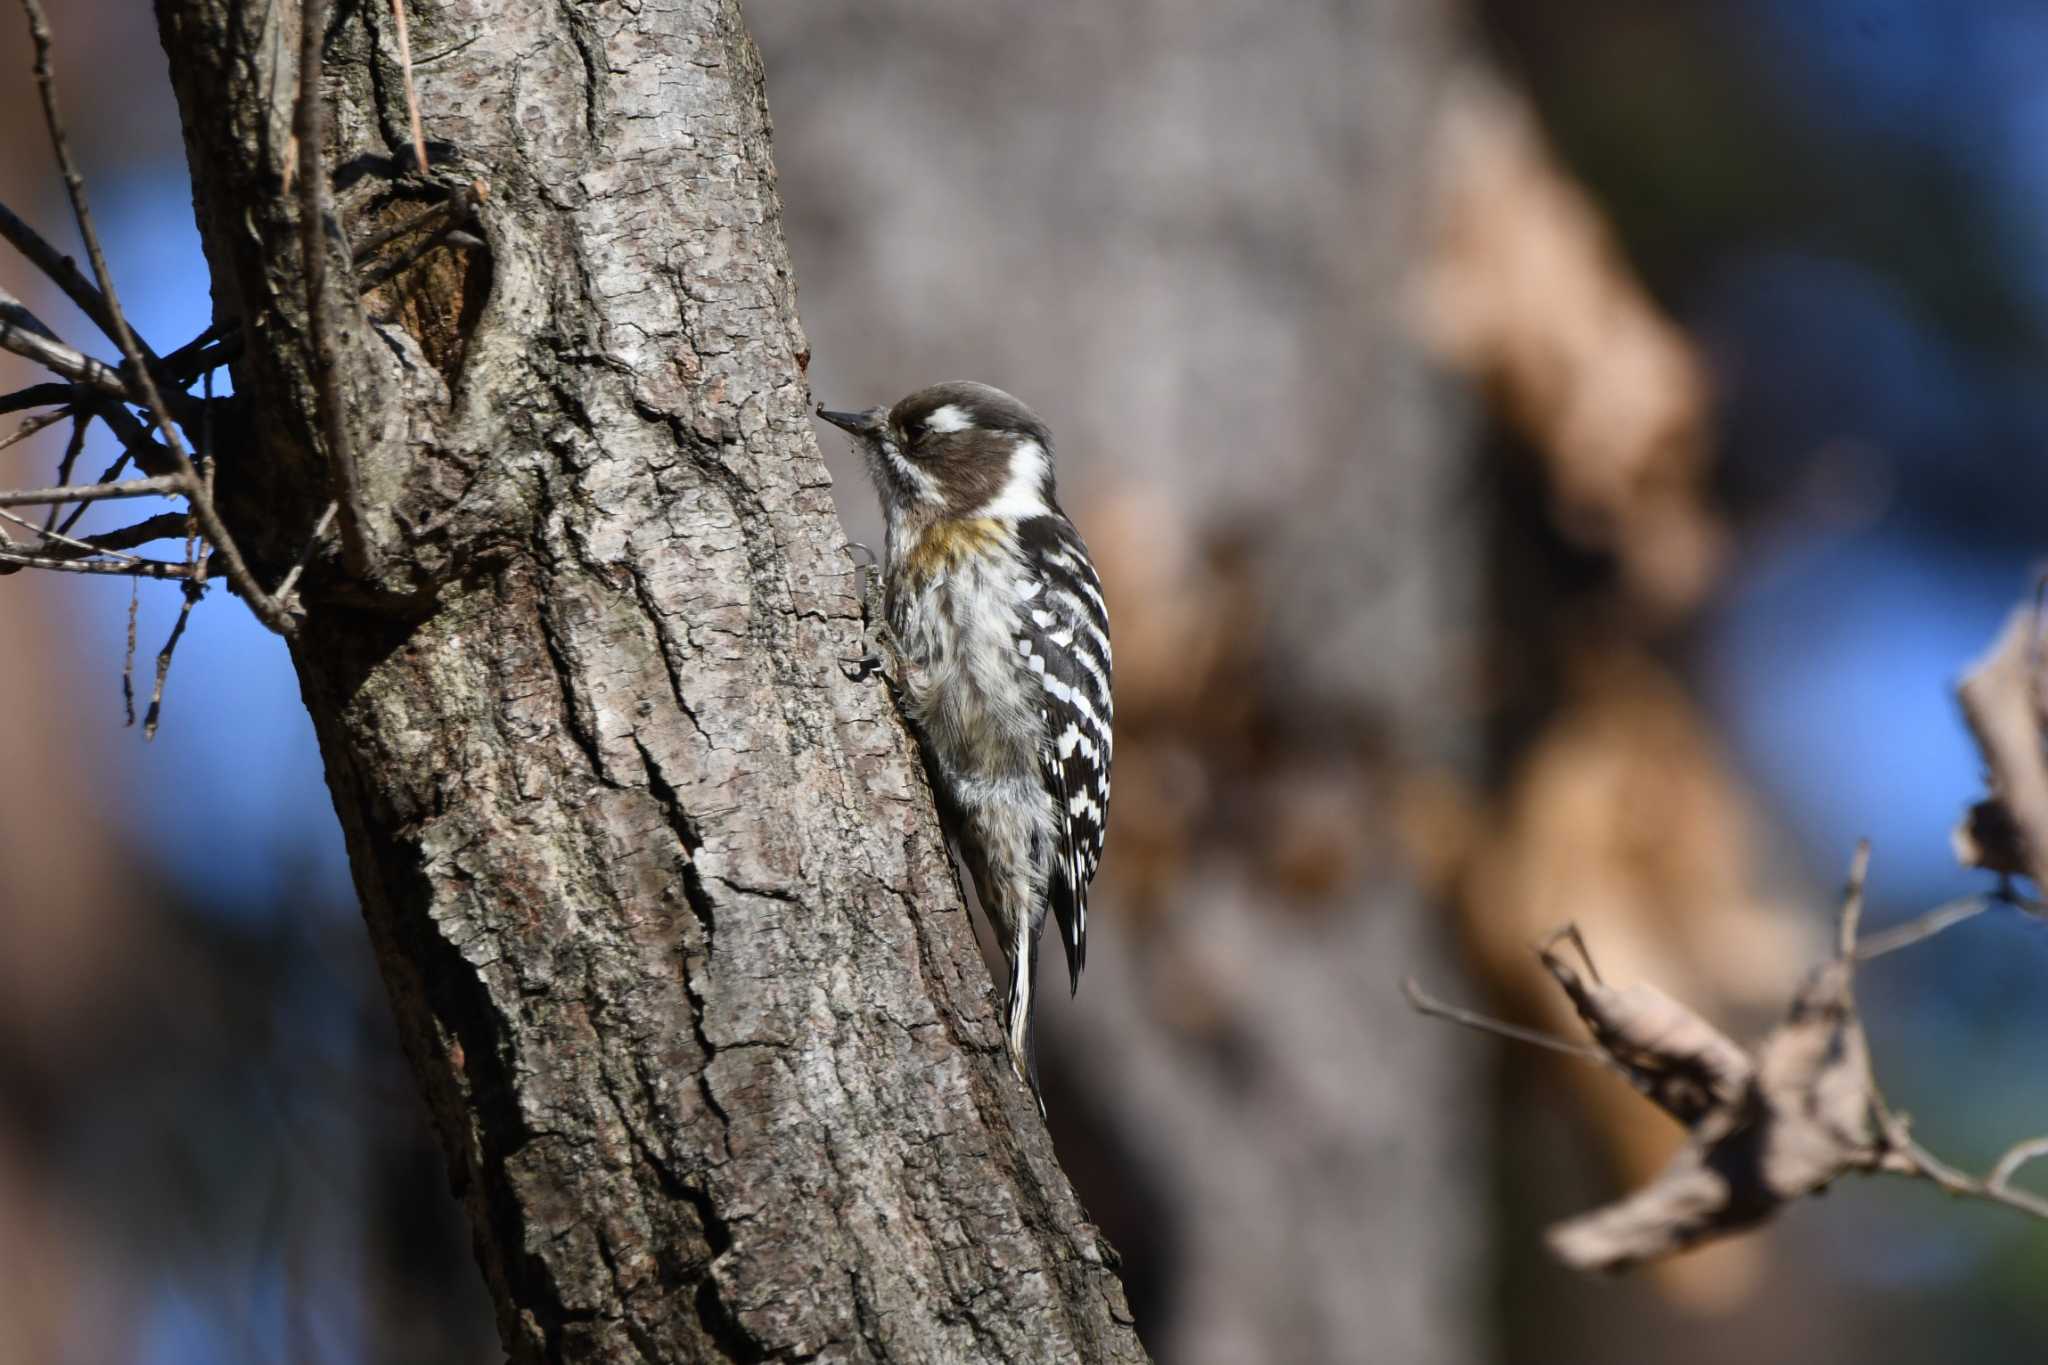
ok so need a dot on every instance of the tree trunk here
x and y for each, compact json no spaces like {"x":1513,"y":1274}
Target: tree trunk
{"x":674,"y":944}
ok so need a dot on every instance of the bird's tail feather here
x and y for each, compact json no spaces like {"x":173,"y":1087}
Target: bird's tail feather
{"x":1022,"y":1027}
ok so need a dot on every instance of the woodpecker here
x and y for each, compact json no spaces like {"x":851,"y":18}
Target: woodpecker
{"x":997,"y":639}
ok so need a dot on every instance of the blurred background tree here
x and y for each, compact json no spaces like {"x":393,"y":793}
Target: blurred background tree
{"x":1636,"y":606}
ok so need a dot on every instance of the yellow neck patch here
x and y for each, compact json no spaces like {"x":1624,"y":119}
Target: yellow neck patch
{"x":941,"y":546}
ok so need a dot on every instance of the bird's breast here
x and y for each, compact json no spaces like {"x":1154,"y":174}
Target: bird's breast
{"x":953,"y":608}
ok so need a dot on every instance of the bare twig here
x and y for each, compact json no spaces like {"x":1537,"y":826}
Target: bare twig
{"x":158,"y":485}
{"x":108,"y":475}
{"x":38,"y":396}
{"x":56,"y":544}
{"x":72,"y":448}
{"x":291,"y":578}
{"x":457,"y":210}
{"x":2016,"y":1156}
{"x":212,"y":348}
{"x":1907,"y":1157}
{"x":64,"y":274}
{"x":412,"y":98}
{"x":364,"y":251}
{"x":206,"y":473}
{"x":309,"y":124}
{"x":1850,"y":919}
{"x":405,"y":260}
{"x":1425,"y":1003}
{"x":163,"y":661}
{"x":24,"y":334}
{"x":1922,"y":927}
{"x":140,"y":568}
{"x":128,"y":659}
{"x":131,"y":351}
{"x":32,"y":425}
{"x":133,"y":435}
{"x":1570,"y":934}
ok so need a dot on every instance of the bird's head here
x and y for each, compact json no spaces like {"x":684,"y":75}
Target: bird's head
{"x":955,"y":450}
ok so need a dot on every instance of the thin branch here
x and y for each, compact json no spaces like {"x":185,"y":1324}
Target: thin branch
{"x":412,"y":98}
{"x":309,"y":127}
{"x":1570,"y":934}
{"x":403,"y":262}
{"x":107,"y":475}
{"x":24,"y":334}
{"x":133,"y":435}
{"x":1921,"y":927}
{"x":211,"y":349}
{"x":1851,"y":920}
{"x":291,"y":578}
{"x":131,"y":351}
{"x":139,"y":568}
{"x":460,"y":205}
{"x":64,"y":274}
{"x":364,"y":251}
{"x":1911,"y":1159}
{"x":1424,"y":1003}
{"x":207,"y":470}
{"x":57,"y":545}
{"x":1898,"y":1152}
{"x":38,"y":396}
{"x":62,"y":542}
{"x":73,"y":447}
{"x":157,"y":485}
{"x":2016,"y":1156}
{"x":163,"y":661}
{"x":32,"y":425}
{"x":162,"y":526}
{"x":128,"y":660}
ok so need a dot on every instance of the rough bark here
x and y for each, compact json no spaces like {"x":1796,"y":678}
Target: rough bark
{"x":674,"y":945}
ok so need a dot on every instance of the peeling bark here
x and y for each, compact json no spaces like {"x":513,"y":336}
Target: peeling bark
{"x":675,"y":947}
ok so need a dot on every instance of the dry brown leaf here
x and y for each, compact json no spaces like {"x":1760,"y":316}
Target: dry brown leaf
{"x":1527,"y":292}
{"x":1684,"y":1065}
{"x":1625,"y":818}
{"x":1769,"y":1133}
{"x":2001,"y":698}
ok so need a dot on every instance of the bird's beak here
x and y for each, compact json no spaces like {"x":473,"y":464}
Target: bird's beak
{"x":859,"y":423}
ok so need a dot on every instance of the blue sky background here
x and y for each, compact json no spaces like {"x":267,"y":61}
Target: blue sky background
{"x":230,"y":796}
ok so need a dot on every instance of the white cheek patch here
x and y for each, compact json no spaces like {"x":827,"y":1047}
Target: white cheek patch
{"x":1023,"y":493}
{"x":951,"y":417}
{"x":921,"y":480}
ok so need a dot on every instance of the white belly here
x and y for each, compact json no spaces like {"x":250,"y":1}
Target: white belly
{"x":963,"y":678}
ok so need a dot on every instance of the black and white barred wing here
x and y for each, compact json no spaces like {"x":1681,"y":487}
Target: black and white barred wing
{"x":1065,"y":639}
